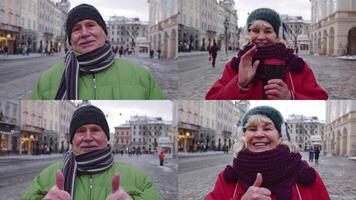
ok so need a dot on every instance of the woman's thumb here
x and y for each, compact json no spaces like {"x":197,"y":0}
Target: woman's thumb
{"x":258,"y":181}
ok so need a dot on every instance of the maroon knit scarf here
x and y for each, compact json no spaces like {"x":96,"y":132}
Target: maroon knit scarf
{"x":279,"y":51}
{"x":280,"y":169}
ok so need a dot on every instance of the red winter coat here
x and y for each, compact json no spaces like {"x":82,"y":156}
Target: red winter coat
{"x":305,"y":86}
{"x":225,"y":191}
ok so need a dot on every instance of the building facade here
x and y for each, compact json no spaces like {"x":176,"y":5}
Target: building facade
{"x":333,"y":27}
{"x":203,"y":21}
{"x":339,"y":136}
{"x":9,"y":130}
{"x":122,"y":138}
{"x":305,"y":131}
{"x":10,"y":26}
{"x":145,"y":132}
{"x":163,"y":27}
{"x":298,"y":33}
{"x":124,"y":32}
{"x":208,"y":125}
{"x":66,"y":110}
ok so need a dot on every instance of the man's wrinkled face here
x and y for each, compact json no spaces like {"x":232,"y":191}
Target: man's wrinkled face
{"x":86,"y":36}
{"x":89,"y":137}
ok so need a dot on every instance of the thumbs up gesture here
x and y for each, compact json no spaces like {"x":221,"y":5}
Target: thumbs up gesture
{"x":57,"y":191}
{"x":256,"y":192}
{"x":117,"y":192}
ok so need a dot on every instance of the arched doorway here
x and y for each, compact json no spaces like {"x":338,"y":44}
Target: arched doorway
{"x":331,"y":42}
{"x":319,"y":43}
{"x":352,"y":41}
{"x":338,"y":143}
{"x":165,"y":45}
{"x":324,"y":43}
{"x":344,"y":142}
{"x":173,"y":44}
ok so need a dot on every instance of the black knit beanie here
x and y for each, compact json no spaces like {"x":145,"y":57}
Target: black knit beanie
{"x":265,"y":14}
{"x":82,"y":12}
{"x":88,"y":114}
{"x":267,"y":111}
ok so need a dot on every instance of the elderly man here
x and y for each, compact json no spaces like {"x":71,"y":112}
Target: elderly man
{"x":89,"y":170}
{"x":90,"y":70}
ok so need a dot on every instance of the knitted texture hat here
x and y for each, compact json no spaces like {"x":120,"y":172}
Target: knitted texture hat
{"x":80,"y":13}
{"x":265,"y":14}
{"x":267,"y":111}
{"x":88,"y":114}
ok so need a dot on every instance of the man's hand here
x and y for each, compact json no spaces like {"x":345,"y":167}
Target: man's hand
{"x":247,"y":69}
{"x":117,"y":192}
{"x":57,"y":191}
{"x":277,"y":89}
{"x":256,"y":192}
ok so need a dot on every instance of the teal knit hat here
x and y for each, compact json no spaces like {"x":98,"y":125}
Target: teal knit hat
{"x":267,"y":111}
{"x":265,"y":14}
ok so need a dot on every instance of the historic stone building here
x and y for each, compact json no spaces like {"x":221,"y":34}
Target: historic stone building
{"x":163,"y":27}
{"x":122,"y":140}
{"x":9,"y":130}
{"x":339,"y":134}
{"x":333,"y":27}
{"x":9,"y":24}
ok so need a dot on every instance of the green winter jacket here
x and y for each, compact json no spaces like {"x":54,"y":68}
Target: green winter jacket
{"x":133,"y":181}
{"x":122,"y":80}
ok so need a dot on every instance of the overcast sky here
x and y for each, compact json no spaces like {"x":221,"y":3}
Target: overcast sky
{"x":290,"y":7}
{"x":128,"y":8}
{"x":118,"y":112}
{"x":306,"y":108}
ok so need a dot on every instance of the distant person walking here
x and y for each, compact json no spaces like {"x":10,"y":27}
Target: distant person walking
{"x":213,"y":52}
{"x":161,"y":158}
{"x":316,"y":156}
{"x":159,"y":53}
{"x":311,"y":154}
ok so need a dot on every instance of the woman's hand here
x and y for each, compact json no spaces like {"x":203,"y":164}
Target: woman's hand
{"x":247,"y":70}
{"x":277,"y":89}
{"x":256,"y":192}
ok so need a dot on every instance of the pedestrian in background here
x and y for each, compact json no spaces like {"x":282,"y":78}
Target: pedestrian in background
{"x":89,"y":171}
{"x":267,"y":165}
{"x":311,"y":153}
{"x":317,"y":153}
{"x":213,"y":52}
{"x":159,"y":53}
{"x":161,"y":157}
{"x":90,"y":70}
{"x":266,"y":68}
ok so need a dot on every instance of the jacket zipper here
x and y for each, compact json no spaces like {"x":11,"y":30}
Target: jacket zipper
{"x":94,"y":85}
{"x":90,"y":185}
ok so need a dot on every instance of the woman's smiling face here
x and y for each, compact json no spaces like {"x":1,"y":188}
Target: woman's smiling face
{"x":261,"y":33}
{"x":261,"y":134}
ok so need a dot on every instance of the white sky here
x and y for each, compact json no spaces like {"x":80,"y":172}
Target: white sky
{"x":306,"y":108}
{"x":290,"y":7}
{"x":118,"y":112}
{"x":128,"y":8}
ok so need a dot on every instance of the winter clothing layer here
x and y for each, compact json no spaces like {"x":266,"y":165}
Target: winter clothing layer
{"x":96,"y":186}
{"x":86,"y":163}
{"x":279,"y":168}
{"x":292,"y":70}
{"x":267,"y":15}
{"x":122,"y":80}
{"x":234,"y":190}
{"x":90,"y":63}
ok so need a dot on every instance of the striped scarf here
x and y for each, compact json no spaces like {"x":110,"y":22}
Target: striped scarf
{"x":89,"y":63}
{"x":87,"y":163}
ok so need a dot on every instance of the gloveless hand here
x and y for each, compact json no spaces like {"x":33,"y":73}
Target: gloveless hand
{"x":117,"y":192}
{"x":247,"y":69}
{"x":57,"y":191}
{"x":256,"y":192}
{"x":277,"y":89}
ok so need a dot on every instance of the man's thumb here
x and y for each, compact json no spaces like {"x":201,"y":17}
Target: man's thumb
{"x":60,"y":179}
{"x":258,"y":181}
{"x":115,"y":182}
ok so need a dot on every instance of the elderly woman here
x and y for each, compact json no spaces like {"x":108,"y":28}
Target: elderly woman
{"x":267,"y":166}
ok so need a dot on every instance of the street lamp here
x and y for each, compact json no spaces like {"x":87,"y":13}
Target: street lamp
{"x":226,"y":24}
